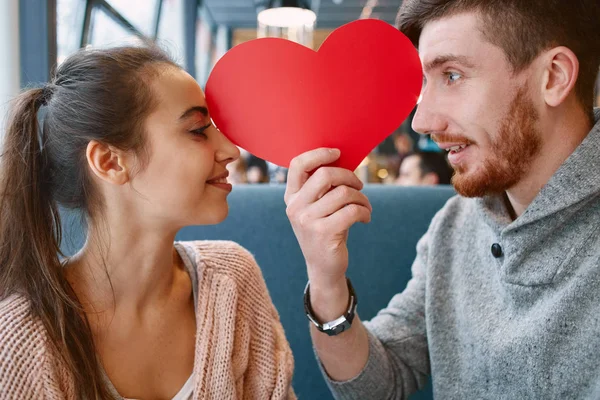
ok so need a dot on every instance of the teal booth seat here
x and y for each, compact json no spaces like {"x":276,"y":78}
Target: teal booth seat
{"x":381,"y":254}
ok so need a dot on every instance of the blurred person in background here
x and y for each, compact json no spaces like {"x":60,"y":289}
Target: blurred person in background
{"x":404,"y":145}
{"x":127,"y":140}
{"x":257,"y":170}
{"x":424,"y":168}
{"x":279,"y":174}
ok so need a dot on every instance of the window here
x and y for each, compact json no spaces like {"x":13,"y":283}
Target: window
{"x":106,"y":32}
{"x":171,"y":28}
{"x":69,"y":15}
{"x":141,"y":14}
{"x":104,"y":23}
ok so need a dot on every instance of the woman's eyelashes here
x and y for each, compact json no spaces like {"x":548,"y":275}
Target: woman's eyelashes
{"x":201,"y":131}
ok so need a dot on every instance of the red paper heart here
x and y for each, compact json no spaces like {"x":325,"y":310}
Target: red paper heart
{"x":277,"y":99}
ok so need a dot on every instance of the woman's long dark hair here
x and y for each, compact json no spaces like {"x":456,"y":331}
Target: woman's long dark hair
{"x":101,"y":95}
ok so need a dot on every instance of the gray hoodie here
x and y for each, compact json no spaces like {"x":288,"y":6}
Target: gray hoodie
{"x":520,"y":323}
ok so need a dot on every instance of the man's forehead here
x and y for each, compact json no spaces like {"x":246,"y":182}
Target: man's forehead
{"x":450,"y":34}
{"x":451,"y":39}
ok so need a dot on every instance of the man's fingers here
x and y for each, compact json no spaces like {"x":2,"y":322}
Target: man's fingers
{"x":347,"y":216}
{"x":323,"y":180}
{"x":302,"y":165}
{"x":335,"y":200}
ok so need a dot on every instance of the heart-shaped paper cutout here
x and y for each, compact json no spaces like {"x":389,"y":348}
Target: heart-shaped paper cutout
{"x":277,"y":99}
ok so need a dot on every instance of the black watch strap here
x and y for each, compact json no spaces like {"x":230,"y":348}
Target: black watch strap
{"x":338,"y":325}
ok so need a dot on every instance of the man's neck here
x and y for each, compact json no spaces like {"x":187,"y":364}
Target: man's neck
{"x":561,"y":135}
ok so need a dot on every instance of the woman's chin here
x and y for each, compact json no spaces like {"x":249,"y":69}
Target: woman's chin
{"x":213,"y":217}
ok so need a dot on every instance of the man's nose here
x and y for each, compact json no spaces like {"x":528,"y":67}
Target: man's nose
{"x":428,"y":118}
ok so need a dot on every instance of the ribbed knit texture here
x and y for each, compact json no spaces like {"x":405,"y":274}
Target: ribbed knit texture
{"x":241,"y":350}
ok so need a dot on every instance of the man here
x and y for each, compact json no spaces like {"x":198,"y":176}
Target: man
{"x":258,"y":170}
{"x":403,"y":146}
{"x":505,"y":296}
{"x":424,"y":168}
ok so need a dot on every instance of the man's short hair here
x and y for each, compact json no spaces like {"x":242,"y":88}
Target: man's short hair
{"x":523,"y":29}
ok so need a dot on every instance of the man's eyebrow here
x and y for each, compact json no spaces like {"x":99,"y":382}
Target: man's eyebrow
{"x":441,"y":60}
{"x":201,"y":109}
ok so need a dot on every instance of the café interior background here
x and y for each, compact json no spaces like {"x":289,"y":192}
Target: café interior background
{"x":37,"y":34}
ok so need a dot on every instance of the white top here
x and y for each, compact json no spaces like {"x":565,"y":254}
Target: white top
{"x":187,"y":391}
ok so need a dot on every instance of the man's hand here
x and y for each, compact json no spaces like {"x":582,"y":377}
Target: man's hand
{"x":322,"y":204}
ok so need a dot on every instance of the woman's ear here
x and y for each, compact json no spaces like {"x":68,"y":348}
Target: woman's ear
{"x":108,"y":163}
{"x":561,"y":69}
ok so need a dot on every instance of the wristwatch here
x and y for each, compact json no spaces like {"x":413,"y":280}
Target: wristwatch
{"x":338,"y":325}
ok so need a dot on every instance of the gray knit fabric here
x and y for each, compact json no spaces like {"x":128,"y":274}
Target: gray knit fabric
{"x":522,"y":326}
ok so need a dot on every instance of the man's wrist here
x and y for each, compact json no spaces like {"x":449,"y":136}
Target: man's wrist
{"x":327,"y":283}
{"x":329,"y":301}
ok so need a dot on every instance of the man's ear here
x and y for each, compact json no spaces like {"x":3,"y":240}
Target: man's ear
{"x":561,"y":69}
{"x":108,"y":163}
{"x":431,"y":178}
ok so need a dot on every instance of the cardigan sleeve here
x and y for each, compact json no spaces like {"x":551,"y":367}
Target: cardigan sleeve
{"x":25,"y":365}
{"x":271,"y":362}
{"x":262,"y":362}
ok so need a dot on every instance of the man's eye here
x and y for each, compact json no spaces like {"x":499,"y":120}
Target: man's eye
{"x":453,"y":77}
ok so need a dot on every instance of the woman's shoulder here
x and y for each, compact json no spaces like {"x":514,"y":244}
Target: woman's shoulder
{"x":216,"y":247}
{"x":21,"y":334}
{"x":231,"y":275}
{"x":23,"y":346}
{"x":16,"y":320}
{"x":223,"y":257}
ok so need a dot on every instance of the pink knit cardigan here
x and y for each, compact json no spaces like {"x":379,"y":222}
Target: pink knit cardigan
{"x":241,"y":351}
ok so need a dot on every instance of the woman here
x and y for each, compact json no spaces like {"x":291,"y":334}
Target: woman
{"x":127,"y":139}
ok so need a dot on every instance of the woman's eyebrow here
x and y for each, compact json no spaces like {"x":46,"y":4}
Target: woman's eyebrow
{"x":190,"y":111}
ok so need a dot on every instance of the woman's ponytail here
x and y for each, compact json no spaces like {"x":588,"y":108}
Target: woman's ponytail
{"x":96,"y":94}
{"x":30,"y":237}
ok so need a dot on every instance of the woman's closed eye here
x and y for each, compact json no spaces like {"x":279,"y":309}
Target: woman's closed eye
{"x":201,"y":131}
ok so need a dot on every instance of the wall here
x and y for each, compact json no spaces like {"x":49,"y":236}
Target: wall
{"x":10,"y":60}
{"x":243,"y":35}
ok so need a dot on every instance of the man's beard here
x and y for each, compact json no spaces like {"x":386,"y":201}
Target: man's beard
{"x":510,"y":156}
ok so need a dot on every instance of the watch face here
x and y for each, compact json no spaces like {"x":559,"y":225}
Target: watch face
{"x":337,"y":326}
{"x":336,"y":330}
